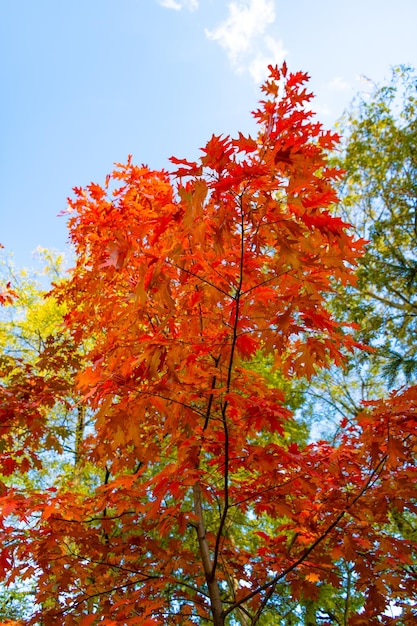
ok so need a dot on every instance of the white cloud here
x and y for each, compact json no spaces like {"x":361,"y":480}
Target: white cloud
{"x":246,"y":21}
{"x":243,"y":36}
{"x":177,"y":5}
{"x":274,"y":55}
{"x":338,"y":84}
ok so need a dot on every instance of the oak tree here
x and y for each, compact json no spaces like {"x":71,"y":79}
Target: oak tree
{"x":201,"y":507}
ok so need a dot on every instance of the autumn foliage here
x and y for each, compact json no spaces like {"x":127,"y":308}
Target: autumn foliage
{"x":189,"y":502}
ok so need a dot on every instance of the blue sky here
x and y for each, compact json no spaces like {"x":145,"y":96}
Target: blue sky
{"x":87,"y":82}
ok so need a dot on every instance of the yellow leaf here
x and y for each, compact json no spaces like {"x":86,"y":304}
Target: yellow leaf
{"x":312,"y":577}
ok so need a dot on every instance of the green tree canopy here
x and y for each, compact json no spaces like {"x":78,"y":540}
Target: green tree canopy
{"x":379,"y":197}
